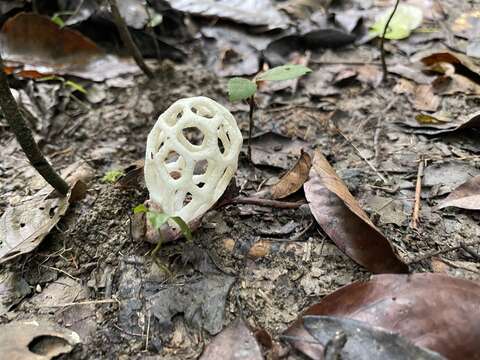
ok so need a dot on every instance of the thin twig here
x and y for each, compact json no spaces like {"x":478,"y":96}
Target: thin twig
{"x":441,"y":251}
{"x":380,"y":176}
{"x":382,"y":43}
{"x":128,"y":40}
{"x":251,"y":103}
{"x":91,"y":302}
{"x":266,"y":202}
{"x":470,"y":251}
{"x":24,"y":136}
{"x":418,"y":193}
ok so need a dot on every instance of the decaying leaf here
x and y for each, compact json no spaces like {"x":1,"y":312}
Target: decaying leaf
{"x":433,"y":311}
{"x":201,"y":302}
{"x":250,"y":12}
{"x":294,"y":179}
{"x":405,"y":19}
{"x":35,"y":339}
{"x":13,"y":288}
{"x":361,"y":341}
{"x":443,"y":126}
{"x":342,"y":218}
{"x":467,"y":24}
{"x":463,"y":64}
{"x":24,"y":226}
{"x":234,"y":342}
{"x":466,"y":196}
{"x":277,"y":150}
{"x":36,"y":45}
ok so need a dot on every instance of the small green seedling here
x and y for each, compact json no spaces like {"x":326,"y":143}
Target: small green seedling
{"x":57,"y":17}
{"x":245,"y":89}
{"x":112,"y":176}
{"x":159,"y":219}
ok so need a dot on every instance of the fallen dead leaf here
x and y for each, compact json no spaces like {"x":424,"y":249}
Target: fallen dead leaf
{"x":36,"y":45}
{"x":347,"y":224}
{"x":294,"y":179}
{"x":434,"y":311}
{"x":355,"y":340}
{"x":24,"y":226}
{"x":466,"y":196}
{"x":35,"y":339}
{"x":235,"y":342}
{"x":425,"y":99}
{"x":443,"y":126}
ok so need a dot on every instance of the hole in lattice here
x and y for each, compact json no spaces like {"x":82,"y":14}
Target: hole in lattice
{"x":203,"y":111}
{"x":188,"y":198}
{"x":175,"y":175}
{"x":194,"y":135}
{"x":220,"y":146}
{"x":200,"y":167}
{"x":171,"y":157}
{"x":159,"y":146}
{"x":179,"y":115}
{"x":201,"y":184}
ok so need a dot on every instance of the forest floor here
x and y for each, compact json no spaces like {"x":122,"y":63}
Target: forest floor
{"x":261,"y":263}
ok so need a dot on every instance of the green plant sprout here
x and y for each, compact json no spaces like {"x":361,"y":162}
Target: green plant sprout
{"x":57,"y":17}
{"x":245,"y":89}
{"x":112,"y":176}
{"x":157,"y":220}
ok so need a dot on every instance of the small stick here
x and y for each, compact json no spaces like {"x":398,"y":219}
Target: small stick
{"x":251,"y":103}
{"x":418,"y":191}
{"x":442,"y":251}
{"x":380,"y":176}
{"x":382,"y":43}
{"x":91,"y":302}
{"x":25,"y":138}
{"x":128,"y":40}
{"x":267,"y":202}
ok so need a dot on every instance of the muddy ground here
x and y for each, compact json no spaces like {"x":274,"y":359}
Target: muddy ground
{"x":261,"y":263}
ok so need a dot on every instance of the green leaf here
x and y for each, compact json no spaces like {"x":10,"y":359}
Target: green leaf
{"x":157,"y":219}
{"x":183,"y":227}
{"x":112,"y":176}
{"x":406,"y":19}
{"x":58,"y":20}
{"x":75,"y":86}
{"x":284,"y":72}
{"x":140,"y":209}
{"x":240,"y":89}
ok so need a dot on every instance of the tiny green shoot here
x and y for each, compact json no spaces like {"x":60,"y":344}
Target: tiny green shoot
{"x":245,"y":89}
{"x":112,"y":176}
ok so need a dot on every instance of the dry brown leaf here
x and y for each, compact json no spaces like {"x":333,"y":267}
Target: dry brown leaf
{"x":40,"y":46}
{"x":294,"y":179}
{"x":24,"y":226}
{"x":425,"y":99}
{"x":434,"y":311}
{"x":342,"y":218}
{"x":35,"y":339}
{"x":444,"y":126}
{"x":236,"y":342}
{"x":466,"y":196}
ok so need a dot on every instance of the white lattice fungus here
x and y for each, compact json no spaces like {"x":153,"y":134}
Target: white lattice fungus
{"x":186,"y":178}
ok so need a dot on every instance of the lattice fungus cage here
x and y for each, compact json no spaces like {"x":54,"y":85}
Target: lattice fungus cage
{"x":186,"y":174}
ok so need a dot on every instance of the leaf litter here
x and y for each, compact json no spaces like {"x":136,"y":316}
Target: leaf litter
{"x":280,"y":259}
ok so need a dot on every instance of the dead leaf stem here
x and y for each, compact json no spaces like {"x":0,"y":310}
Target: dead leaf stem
{"x":382,"y":43}
{"x":128,"y":40}
{"x":24,"y":136}
{"x":418,"y":192}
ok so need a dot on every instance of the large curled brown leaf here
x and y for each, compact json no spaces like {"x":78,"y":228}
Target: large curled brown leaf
{"x":342,"y":218}
{"x":294,"y":179}
{"x":40,"y":47}
{"x":434,"y":311}
{"x":466,"y":196}
{"x":468,"y":122}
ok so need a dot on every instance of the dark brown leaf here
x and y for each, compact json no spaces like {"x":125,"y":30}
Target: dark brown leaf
{"x":42,"y":47}
{"x":348,"y":339}
{"x":236,"y":342}
{"x":466,"y":196}
{"x":342,"y":218}
{"x":294,"y":179}
{"x":434,"y":311}
{"x":419,"y":126}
